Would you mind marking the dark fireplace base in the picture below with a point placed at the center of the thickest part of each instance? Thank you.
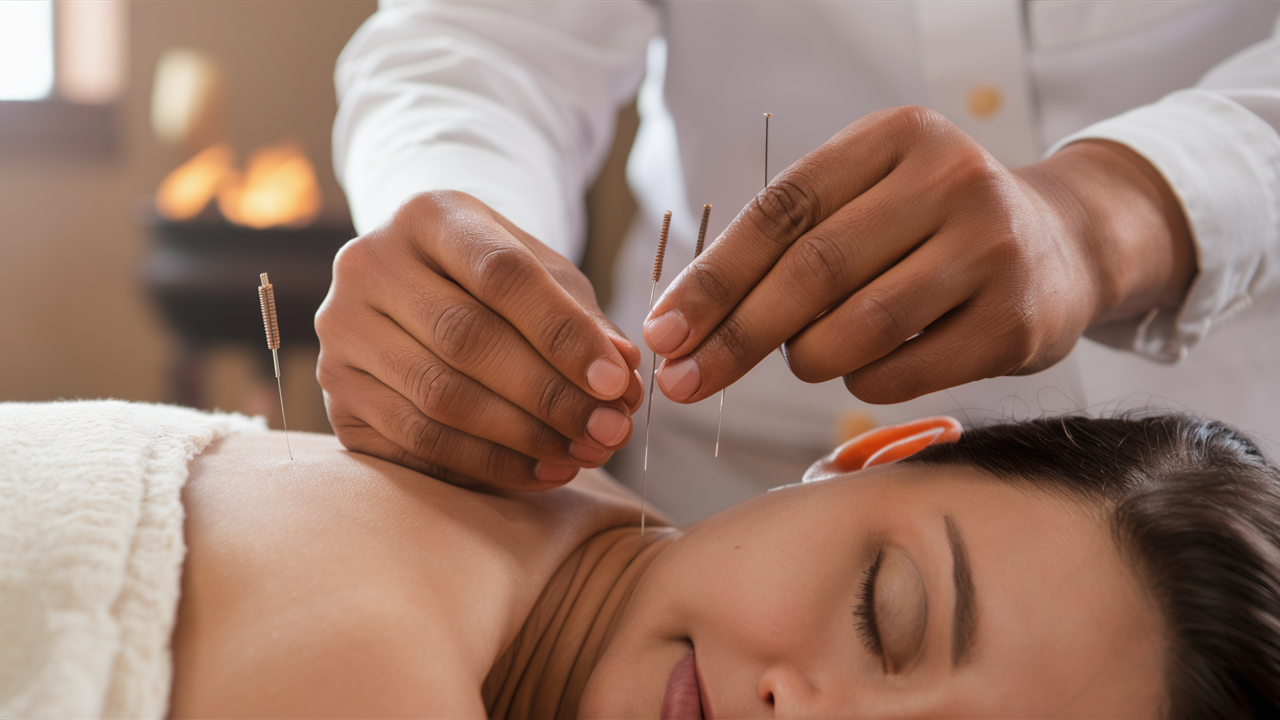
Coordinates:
(203, 277)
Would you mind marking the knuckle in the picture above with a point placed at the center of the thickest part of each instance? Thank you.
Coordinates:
(425, 206)
(347, 434)
(911, 122)
(546, 440)
(922, 119)
(560, 338)
(884, 319)
(463, 333)
(734, 340)
(359, 437)
(999, 255)
(332, 322)
(787, 207)
(437, 387)
(557, 399)
(327, 372)
(423, 434)
(501, 269)
(975, 175)
(825, 264)
(347, 426)
(1016, 332)
(495, 461)
(325, 323)
(711, 284)
(351, 258)
(975, 170)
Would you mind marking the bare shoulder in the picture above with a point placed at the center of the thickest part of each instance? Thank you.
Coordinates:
(358, 578)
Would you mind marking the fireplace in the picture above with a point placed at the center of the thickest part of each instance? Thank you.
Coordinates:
(202, 269)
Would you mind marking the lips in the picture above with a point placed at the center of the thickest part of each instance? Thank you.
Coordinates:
(682, 700)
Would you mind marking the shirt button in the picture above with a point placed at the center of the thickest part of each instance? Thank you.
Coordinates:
(985, 100)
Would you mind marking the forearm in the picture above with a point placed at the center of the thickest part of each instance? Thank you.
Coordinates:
(1217, 148)
(1129, 222)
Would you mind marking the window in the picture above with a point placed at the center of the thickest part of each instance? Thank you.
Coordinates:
(26, 49)
(62, 65)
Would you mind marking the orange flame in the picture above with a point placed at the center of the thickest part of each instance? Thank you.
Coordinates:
(188, 189)
(278, 188)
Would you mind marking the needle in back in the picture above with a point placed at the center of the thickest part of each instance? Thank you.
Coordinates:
(267, 297)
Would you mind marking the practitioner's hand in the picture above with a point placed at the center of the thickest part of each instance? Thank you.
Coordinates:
(904, 257)
(454, 343)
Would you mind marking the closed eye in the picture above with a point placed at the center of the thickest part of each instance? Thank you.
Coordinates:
(865, 609)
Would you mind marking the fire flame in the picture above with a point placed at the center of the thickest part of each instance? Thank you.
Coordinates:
(278, 188)
(189, 188)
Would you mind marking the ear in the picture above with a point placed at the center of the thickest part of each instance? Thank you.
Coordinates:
(886, 444)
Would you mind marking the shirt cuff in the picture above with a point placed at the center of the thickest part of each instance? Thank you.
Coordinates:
(1223, 164)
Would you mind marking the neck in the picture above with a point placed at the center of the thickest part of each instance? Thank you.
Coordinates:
(546, 667)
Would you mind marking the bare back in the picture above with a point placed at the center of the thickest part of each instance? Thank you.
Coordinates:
(339, 584)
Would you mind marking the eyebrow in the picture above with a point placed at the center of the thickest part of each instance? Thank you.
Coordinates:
(963, 625)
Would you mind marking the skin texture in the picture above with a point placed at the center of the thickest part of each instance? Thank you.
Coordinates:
(342, 585)
(902, 225)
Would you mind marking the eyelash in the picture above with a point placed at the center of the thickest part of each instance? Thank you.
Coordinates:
(865, 610)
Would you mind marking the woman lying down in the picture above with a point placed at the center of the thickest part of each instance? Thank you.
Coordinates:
(1065, 567)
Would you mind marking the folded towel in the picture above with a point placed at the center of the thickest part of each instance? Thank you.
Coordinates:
(91, 552)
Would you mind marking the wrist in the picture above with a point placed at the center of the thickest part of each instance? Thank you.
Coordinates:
(1127, 221)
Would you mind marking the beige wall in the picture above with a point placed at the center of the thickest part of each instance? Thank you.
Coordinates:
(74, 321)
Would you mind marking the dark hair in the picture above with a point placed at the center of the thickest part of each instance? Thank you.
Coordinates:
(1195, 505)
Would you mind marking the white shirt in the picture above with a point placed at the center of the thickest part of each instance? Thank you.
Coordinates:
(515, 103)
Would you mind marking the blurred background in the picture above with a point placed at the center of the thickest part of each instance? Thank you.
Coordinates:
(154, 158)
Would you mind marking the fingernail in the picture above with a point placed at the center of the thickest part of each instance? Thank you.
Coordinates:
(586, 453)
(549, 473)
(606, 378)
(633, 407)
(607, 426)
(680, 379)
(668, 330)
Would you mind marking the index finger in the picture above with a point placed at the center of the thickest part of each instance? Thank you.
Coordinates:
(496, 268)
(797, 200)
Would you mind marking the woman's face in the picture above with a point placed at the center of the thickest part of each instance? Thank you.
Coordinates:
(905, 590)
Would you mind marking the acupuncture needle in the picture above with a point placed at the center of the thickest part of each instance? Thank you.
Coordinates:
(657, 275)
(702, 238)
(267, 297)
(706, 210)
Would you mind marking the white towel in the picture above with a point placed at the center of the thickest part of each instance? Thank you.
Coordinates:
(91, 552)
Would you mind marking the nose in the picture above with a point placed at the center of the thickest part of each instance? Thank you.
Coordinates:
(787, 693)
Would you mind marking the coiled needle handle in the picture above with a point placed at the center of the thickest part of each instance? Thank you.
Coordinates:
(657, 275)
(267, 298)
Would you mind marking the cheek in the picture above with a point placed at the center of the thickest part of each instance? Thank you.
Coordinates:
(766, 593)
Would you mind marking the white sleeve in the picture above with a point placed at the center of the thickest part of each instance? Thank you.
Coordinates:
(513, 102)
(1218, 147)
